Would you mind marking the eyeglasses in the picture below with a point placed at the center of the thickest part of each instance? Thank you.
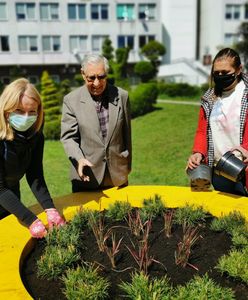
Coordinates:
(93, 77)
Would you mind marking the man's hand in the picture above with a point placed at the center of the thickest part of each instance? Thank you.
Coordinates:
(81, 164)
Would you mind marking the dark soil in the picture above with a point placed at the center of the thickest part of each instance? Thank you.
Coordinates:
(204, 256)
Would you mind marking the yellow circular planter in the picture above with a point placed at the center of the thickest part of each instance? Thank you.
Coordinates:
(16, 242)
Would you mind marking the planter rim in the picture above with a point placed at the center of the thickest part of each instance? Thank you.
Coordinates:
(16, 242)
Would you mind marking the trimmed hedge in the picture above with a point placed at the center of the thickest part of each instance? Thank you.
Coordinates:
(178, 89)
(143, 98)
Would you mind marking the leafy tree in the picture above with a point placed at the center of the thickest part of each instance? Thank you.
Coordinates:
(145, 70)
(51, 104)
(242, 46)
(152, 51)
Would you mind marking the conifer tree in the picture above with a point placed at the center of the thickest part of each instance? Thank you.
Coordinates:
(52, 109)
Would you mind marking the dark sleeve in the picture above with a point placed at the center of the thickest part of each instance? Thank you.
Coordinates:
(35, 176)
(10, 202)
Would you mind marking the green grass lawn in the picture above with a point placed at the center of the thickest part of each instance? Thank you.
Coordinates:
(162, 142)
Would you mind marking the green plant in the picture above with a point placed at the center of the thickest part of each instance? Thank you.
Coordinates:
(142, 288)
(168, 221)
(113, 250)
(145, 70)
(229, 222)
(182, 254)
(152, 207)
(143, 98)
(99, 230)
(189, 214)
(51, 103)
(141, 255)
(135, 223)
(56, 260)
(240, 236)
(63, 236)
(235, 264)
(202, 288)
(118, 210)
(84, 283)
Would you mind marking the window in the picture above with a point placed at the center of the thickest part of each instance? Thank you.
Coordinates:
(147, 11)
(144, 39)
(97, 41)
(233, 12)
(27, 43)
(49, 11)
(246, 11)
(5, 80)
(4, 43)
(125, 12)
(99, 11)
(51, 43)
(231, 39)
(3, 12)
(33, 79)
(76, 11)
(78, 42)
(126, 41)
(25, 11)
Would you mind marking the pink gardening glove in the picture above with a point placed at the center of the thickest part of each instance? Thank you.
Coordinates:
(54, 218)
(37, 229)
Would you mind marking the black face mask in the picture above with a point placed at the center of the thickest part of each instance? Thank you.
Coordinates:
(224, 81)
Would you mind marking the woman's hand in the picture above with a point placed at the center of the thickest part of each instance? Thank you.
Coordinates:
(37, 229)
(81, 164)
(194, 160)
(243, 151)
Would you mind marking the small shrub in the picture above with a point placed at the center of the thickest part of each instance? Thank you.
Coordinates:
(235, 264)
(144, 289)
(240, 236)
(178, 89)
(145, 70)
(228, 223)
(202, 288)
(143, 99)
(84, 283)
(62, 236)
(118, 210)
(152, 207)
(189, 214)
(56, 260)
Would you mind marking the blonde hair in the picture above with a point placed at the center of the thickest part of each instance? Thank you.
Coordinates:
(9, 101)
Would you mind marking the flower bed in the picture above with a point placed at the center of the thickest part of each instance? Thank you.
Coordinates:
(16, 243)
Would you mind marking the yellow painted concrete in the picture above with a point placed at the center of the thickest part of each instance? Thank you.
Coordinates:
(16, 243)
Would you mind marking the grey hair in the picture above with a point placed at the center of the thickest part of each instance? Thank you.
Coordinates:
(94, 59)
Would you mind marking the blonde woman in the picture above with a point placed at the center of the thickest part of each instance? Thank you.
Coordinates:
(21, 153)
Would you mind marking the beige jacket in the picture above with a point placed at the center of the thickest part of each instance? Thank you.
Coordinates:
(81, 135)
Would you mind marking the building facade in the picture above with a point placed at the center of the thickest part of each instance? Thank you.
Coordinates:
(195, 31)
(54, 35)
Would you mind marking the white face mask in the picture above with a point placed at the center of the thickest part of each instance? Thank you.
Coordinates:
(21, 122)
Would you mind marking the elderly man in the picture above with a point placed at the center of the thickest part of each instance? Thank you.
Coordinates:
(96, 129)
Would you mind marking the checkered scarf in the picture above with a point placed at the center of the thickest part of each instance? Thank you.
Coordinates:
(207, 103)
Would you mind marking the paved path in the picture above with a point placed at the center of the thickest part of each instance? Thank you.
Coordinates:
(185, 102)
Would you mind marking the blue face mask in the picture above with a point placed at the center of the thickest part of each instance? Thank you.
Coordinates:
(21, 122)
